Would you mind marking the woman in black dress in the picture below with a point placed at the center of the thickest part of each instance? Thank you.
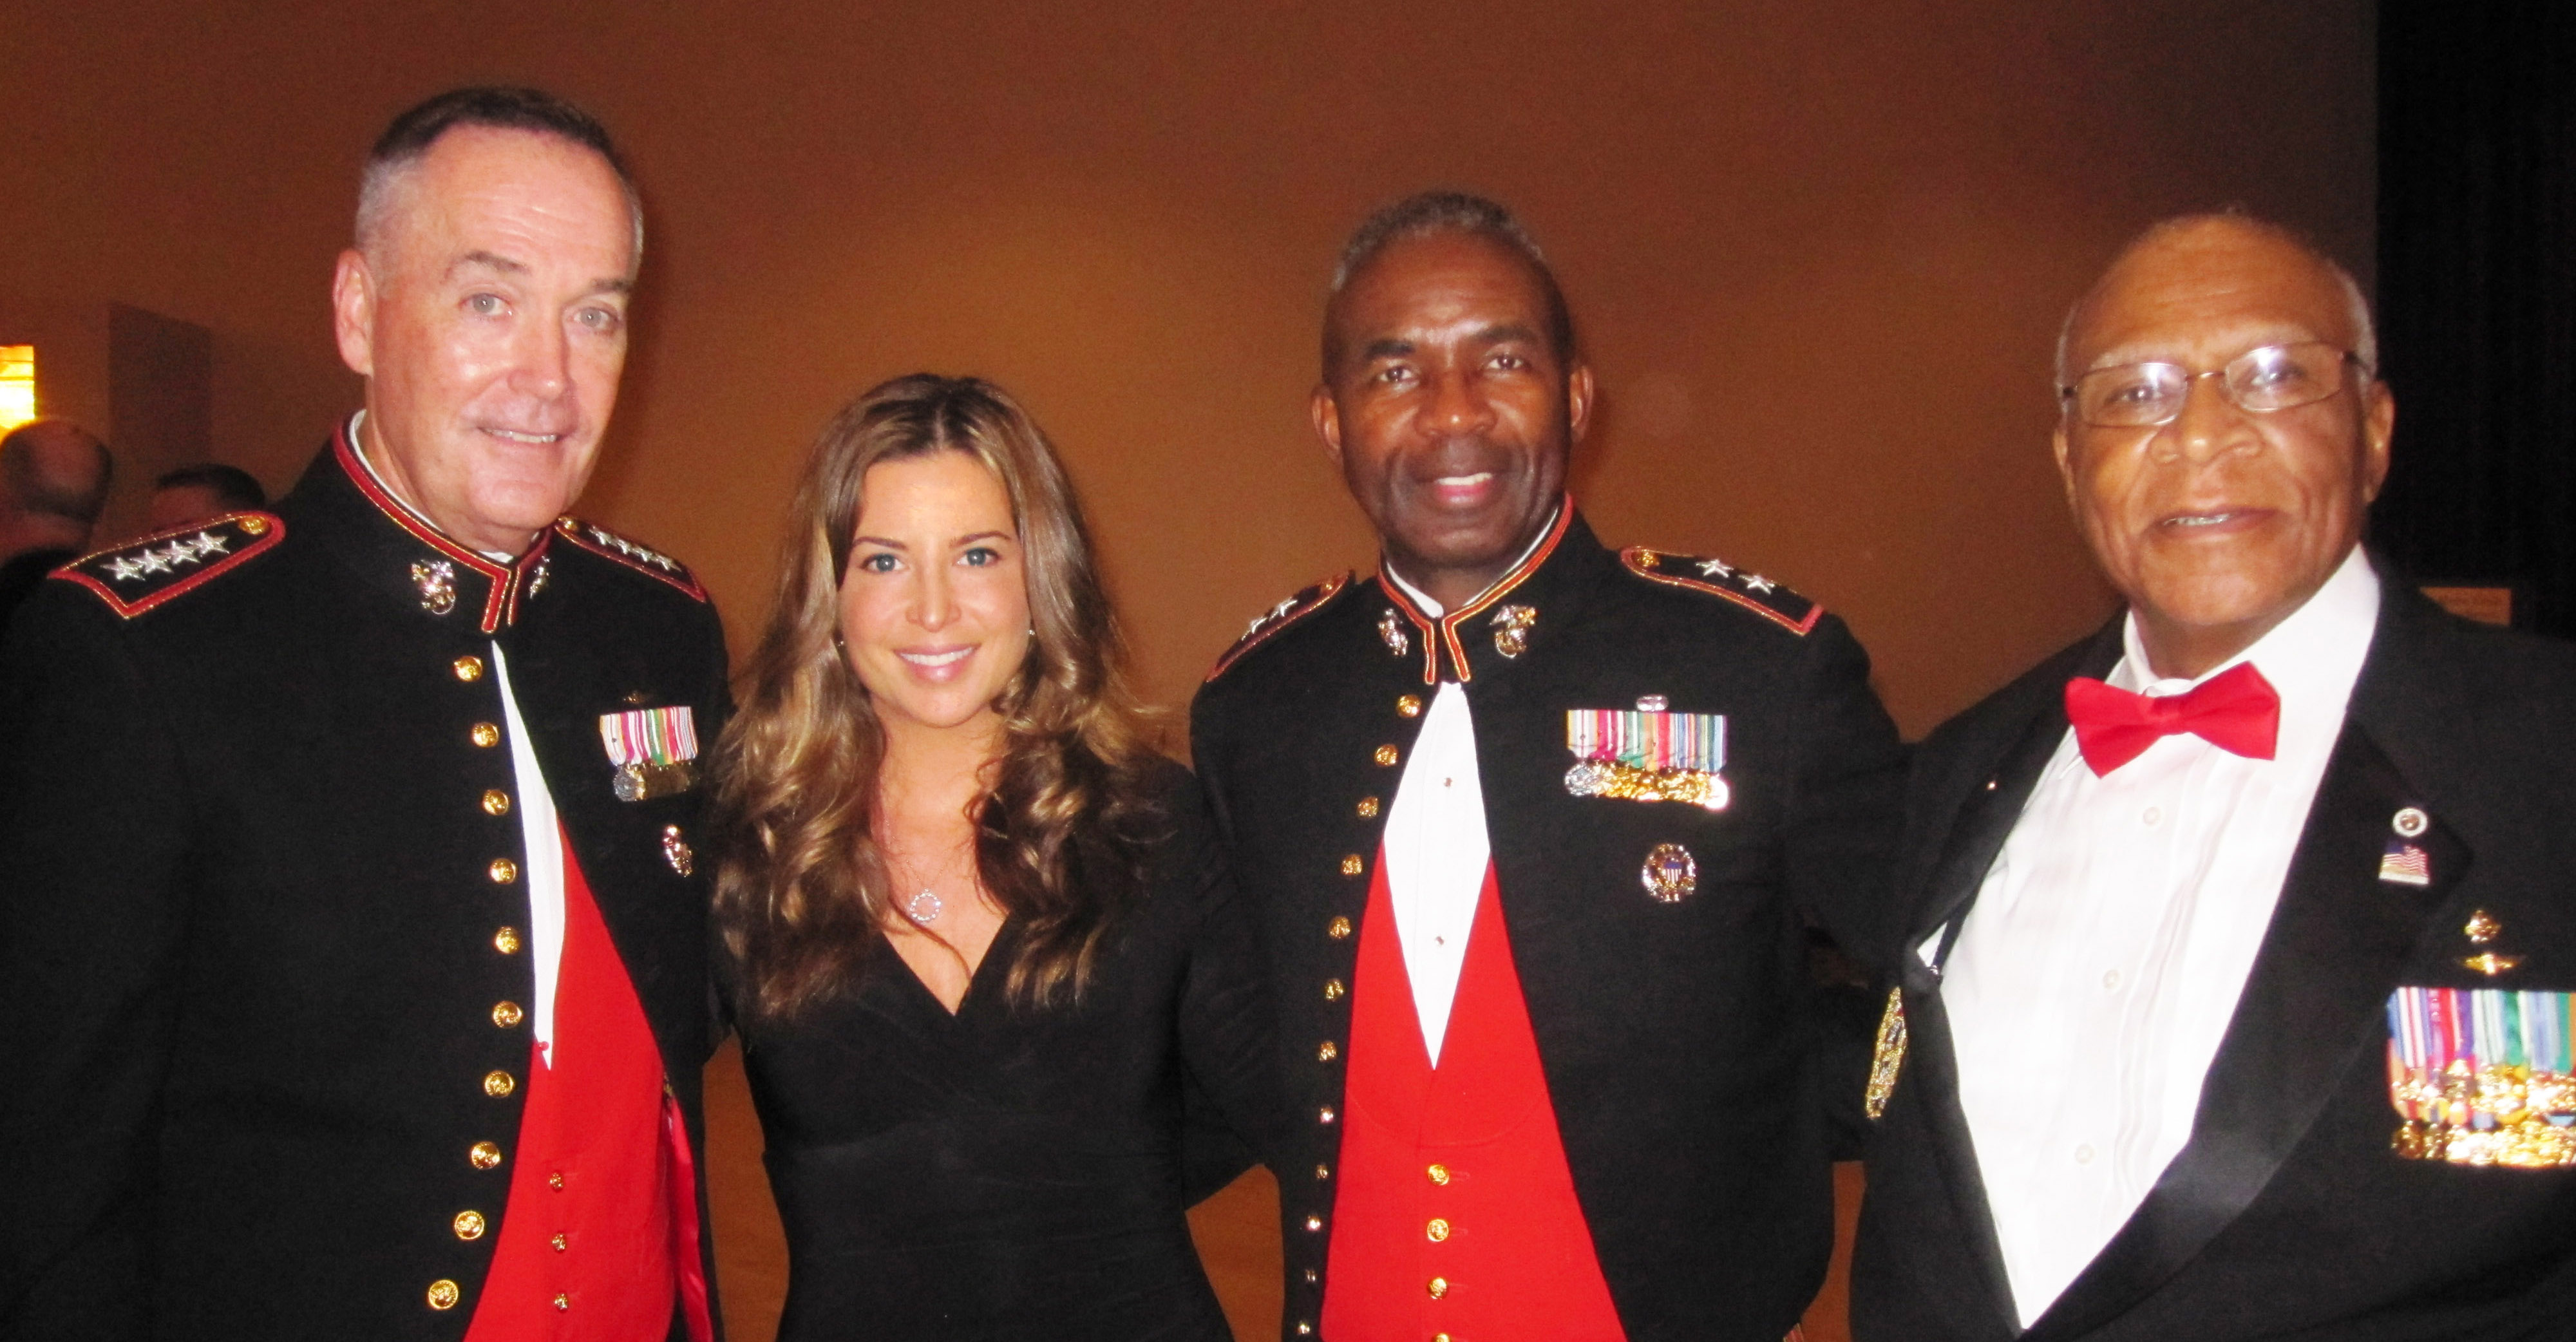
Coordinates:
(979, 940)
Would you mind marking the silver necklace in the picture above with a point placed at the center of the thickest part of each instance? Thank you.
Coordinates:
(924, 907)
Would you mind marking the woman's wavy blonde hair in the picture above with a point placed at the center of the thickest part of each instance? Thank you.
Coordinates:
(802, 890)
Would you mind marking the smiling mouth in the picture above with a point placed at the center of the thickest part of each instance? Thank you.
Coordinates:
(2200, 521)
(532, 439)
(938, 659)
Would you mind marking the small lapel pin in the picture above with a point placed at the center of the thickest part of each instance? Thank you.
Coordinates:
(2406, 864)
(1390, 627)
(1512, 625)
(436, 580)
(1670, 873)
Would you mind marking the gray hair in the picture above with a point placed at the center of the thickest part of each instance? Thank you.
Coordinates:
(1428, 212)
(2357, 306)
(411, 135)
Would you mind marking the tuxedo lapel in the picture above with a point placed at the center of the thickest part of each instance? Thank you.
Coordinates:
(2313, 1007)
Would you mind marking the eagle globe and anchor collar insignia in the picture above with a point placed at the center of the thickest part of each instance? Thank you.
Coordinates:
(135, 577)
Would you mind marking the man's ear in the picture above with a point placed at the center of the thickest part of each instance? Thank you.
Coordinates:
(1578, 402)
(2065, 460)
(353, 312)
(2378, 429)
(1328, 422)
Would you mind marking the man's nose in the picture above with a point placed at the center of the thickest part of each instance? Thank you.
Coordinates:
(1458, 405)
(2209, 426)
(541, 360)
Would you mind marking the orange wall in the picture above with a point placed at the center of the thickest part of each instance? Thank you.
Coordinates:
(1818, 250)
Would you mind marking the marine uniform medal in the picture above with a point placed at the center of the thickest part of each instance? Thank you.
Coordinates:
(651, 749)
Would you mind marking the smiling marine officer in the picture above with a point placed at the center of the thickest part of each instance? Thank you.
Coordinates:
(1531, 825)
(352, 951)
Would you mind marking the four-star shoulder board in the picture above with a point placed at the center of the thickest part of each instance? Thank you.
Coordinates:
(140, 574)
(1716, 577)
(650, 562)
(1306, 602)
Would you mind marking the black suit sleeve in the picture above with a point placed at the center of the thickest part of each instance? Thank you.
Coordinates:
(1846, 806)
(1232, 1111)
(94, 809)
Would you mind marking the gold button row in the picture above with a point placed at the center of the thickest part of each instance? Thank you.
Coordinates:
(1388, 755)
(1352, 865)
(1409, 705)
(1314, 1222)
(1327, 1051)
(443, 1294)
(506, 941)
(495, 802)
(507, 1014)
(1338, 929)
(485, 735)
(1333, 990)
(1436, 1230)
(469, 668)
(1438, 1174)
(498, 1085)
(484, 1155)
(469, 1225)
(1368, 808)
(503, 871)
(1438, 1286)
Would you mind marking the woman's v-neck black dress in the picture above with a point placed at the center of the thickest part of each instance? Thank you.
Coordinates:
(1010, 1173)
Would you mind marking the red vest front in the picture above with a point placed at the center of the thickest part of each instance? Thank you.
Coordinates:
(600, 1236)
(1454, 1214)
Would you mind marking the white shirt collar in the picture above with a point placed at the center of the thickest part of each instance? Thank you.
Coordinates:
(2312, 658)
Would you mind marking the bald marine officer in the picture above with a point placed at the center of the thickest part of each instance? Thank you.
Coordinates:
(352, 976)
(1533, 826)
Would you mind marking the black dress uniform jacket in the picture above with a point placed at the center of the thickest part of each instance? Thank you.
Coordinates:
(1673, 1035)
(262, 911)
(2287, 1215)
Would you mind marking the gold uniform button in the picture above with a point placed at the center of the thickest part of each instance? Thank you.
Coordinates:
(469, 668)
(1305, 1329)
(1409, 705)
(506, 941)
(1388, 755)
(1438, 1286)
(1327, 1051)
(484, 1155)
(254, 526)
(1437, 1231)
(1323, 1172)
(1368, 808)
(507, 1014)
(1333, 990)
(469, 1225)
(503, 871)
(1439, 1174)
(485, 735)
(1439, 1337)
(1312, 1276)
(563, 1301)
(498, 1085)
(1352, 865)
(1324, 1115)
(560, 1243)
(555, 1181)
(1338, 929)
(1314, 1223)
(443, 1294)
(495, 802)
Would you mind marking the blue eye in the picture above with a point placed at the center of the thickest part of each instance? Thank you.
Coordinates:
(982, 556)
(880, 562)
(484, 305)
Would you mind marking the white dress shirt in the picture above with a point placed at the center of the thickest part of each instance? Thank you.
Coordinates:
(543, 841)
(2096, 973)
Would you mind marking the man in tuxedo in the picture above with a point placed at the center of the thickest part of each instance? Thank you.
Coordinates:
(1531, 825)
(2235, 937)
(353, 950)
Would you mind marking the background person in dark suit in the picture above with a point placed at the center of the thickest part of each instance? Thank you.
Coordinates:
(2236, 937)
(53, 483)
(1530, 825)
(195, 493)
(353, 968)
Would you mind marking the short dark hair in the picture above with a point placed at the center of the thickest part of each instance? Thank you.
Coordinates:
(498, 106)
(1445, 211)
(25, 482)
(236, 489)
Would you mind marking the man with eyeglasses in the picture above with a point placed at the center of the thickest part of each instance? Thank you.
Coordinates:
(2235, 946)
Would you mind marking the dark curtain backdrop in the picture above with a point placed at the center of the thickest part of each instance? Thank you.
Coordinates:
(2477, 296)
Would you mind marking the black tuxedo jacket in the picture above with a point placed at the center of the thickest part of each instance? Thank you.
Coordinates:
(2287, 1215)
(1674, 1036)
(252, 956)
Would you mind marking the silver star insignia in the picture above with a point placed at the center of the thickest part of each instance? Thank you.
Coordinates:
(1755, 582)
(1716, 568)
(123, 569)
(152, 561)
(208, 543)
(180, 552)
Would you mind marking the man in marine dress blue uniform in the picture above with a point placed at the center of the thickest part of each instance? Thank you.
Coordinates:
(353, 942)
(1534, 827)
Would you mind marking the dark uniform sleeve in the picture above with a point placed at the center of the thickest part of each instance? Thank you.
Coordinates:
(1232, 1110)
(1845, 813)
(94, 817)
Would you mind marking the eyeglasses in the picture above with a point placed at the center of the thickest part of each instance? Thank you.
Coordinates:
(2275, 377)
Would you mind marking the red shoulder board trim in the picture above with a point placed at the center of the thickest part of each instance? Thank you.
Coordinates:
(1279, 617)
(608, 545)
(140, 574)
(1716, 577)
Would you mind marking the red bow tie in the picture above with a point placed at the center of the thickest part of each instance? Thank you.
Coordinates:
(2238, 712)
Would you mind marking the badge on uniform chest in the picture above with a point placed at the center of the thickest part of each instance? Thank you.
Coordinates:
(1647, 754)
(652, 750)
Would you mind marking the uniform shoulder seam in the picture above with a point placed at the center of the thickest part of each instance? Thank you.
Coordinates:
(636, 555)
(1305, 602)
(143, 573)
(1716, 577)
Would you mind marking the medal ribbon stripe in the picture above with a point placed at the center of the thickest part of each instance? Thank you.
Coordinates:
(2483, 1076)
(1694, 741)
(650, 736)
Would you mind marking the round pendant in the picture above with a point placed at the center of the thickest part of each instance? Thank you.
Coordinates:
(924, 907)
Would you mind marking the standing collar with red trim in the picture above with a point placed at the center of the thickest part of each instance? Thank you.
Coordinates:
(398, 550)
(1512, 606)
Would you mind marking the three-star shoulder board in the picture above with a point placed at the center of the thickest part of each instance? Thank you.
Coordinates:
(140, 574)
(1306, 602)
(644, 559)
(1716, 577)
